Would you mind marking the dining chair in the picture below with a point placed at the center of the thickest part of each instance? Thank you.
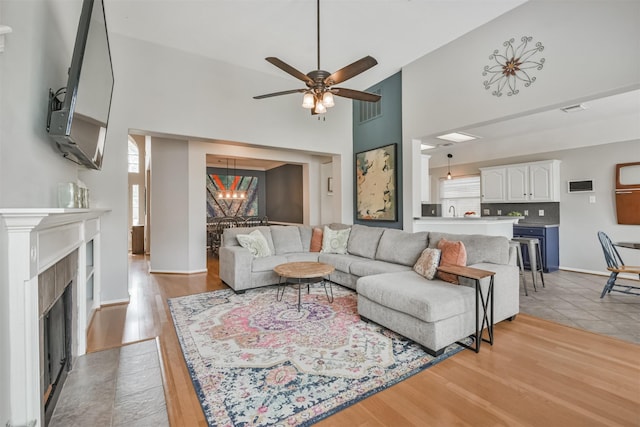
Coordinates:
(615, 265)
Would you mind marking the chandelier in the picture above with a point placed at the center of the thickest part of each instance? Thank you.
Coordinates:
(228, 193)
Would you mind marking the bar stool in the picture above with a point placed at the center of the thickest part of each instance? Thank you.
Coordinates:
(518, 249)
(535, 261)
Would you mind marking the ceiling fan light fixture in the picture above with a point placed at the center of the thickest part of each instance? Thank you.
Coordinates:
(308, 100)
(327, 99)
(320, 108)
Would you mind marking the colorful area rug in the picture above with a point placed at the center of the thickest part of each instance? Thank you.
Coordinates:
(255, 361)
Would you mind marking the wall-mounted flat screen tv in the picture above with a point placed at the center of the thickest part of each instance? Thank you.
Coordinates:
(79, 113)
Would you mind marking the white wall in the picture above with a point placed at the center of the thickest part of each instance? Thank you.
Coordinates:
(4, 330)
(161, 91)
(178, 197)
(581, 40)
(170, 206)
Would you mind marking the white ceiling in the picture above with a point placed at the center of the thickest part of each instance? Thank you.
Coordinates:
(395, 32)
(244, 32)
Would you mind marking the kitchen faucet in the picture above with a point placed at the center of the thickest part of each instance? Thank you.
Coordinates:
(454, 210)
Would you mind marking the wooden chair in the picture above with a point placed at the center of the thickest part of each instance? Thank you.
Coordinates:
(615, 265)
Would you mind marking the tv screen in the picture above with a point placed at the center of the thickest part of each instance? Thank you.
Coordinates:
(78, 121)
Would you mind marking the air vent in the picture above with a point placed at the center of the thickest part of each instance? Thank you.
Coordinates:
(370, 110)
(574, 108)
(584, 186)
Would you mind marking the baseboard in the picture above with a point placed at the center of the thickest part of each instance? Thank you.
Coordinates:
(113, 302)
(599, 273)
(178, 271)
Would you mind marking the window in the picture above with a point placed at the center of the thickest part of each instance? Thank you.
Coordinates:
(135, 204)
(460, 195)
(134, 157)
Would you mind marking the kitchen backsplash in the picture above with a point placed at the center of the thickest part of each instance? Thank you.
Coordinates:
(531, 211)
(551, 211)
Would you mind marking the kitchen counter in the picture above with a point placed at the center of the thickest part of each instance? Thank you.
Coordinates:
(488, 225)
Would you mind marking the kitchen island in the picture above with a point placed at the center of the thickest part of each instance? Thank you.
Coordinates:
(488, 225)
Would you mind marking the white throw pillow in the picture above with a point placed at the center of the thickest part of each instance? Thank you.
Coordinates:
(335, 241)
(427, 264)
(255, 242)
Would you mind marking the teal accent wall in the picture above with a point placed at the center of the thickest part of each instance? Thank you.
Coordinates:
(382, 130)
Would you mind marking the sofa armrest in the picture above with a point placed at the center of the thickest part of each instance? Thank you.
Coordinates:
(235, 266)
(506, 288)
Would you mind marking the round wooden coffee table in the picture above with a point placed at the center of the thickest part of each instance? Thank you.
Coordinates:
(300, 273)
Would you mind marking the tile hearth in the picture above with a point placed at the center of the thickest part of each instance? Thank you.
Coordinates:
(116, 387)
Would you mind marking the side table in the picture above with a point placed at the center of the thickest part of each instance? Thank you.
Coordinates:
(476, 275)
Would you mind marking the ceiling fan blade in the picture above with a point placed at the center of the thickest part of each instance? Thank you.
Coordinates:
(284, 92)
(350, 70)
(289, 69)
(355, 94)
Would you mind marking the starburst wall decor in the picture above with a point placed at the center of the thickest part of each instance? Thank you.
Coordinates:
(510, 68)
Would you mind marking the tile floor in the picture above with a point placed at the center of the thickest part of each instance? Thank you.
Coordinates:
(116, 387)
(573, 299)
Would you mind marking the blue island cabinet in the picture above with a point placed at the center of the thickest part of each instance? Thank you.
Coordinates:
(549, 244)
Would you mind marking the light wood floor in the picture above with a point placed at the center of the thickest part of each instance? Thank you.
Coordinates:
(538, 373)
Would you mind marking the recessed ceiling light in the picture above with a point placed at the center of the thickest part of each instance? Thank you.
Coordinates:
(574, 108)
(426, 146)
(457, 137)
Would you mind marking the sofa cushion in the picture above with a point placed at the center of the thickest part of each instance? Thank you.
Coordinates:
(427, 264)
(255, 242)
(340, 262)
(267, 263)
(302, 257)
(286, 239)
(410, 293)
(305, 237)
(229, 235)
(369, 267)
(401, 247)
(453, 253)
(363, 240)
(316, 240)
(480, 248)
(335, 241)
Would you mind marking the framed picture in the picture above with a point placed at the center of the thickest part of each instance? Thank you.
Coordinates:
(376, 195)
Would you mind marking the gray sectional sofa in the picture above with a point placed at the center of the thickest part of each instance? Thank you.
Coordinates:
(379, 266)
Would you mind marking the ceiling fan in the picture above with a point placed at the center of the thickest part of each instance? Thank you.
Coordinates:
(318, 96)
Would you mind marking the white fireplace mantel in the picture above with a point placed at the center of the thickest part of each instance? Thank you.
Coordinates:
(37, 238)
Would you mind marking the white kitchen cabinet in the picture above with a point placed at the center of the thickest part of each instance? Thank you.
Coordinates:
(493, 182)
(518, 183)
(544, 181)
(522, 183)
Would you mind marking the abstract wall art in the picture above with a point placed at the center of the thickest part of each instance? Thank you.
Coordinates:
(376, 196)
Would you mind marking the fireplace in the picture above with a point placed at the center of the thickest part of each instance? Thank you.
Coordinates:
(56, 292)
(52, 282)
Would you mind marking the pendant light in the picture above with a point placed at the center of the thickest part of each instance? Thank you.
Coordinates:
(228, 194)
(449, 156)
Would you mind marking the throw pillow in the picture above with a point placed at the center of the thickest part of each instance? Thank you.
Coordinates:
(255, 242)
(453, 253)
(427, 264)
(316, 240)
(335, 241)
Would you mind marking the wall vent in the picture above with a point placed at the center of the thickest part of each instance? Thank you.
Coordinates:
(574, 108)
(370, 110)
(584, 186)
